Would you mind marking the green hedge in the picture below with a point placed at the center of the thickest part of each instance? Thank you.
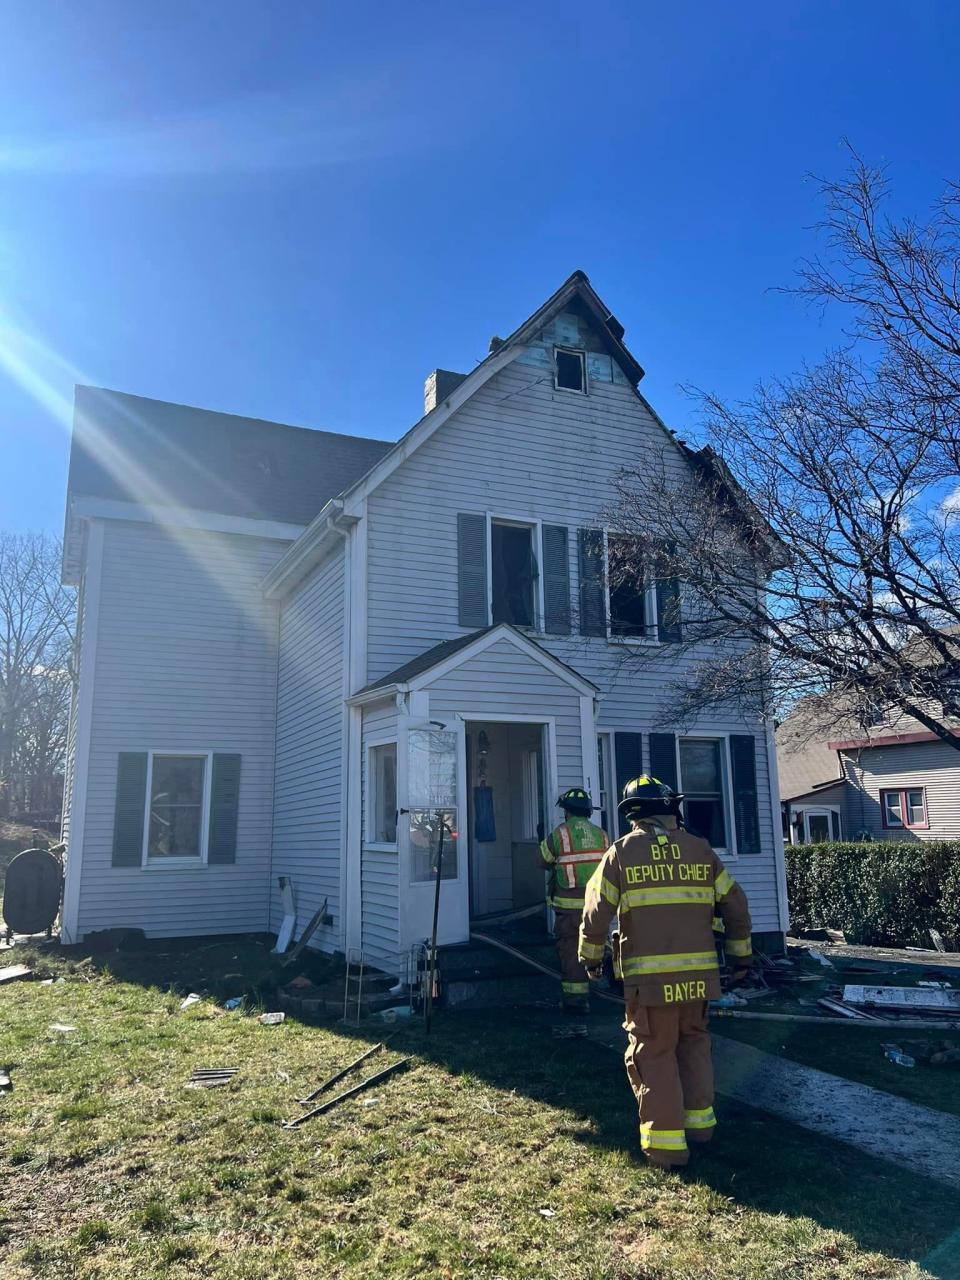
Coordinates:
(878, 894)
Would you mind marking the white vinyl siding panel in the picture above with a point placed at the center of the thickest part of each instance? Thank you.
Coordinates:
(70, 759)
(518, 447)
(934, 766)
(307, 830)
(186, 660)
(380, 886)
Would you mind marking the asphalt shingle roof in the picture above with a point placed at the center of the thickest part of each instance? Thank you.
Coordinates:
(133, 449)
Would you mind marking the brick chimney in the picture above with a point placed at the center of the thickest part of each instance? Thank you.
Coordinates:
(438, 386)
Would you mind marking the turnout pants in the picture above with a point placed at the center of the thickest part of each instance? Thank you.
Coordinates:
(670, 1070)
(566, 932)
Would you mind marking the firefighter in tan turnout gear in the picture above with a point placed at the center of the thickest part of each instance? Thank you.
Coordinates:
(572, 852)
(665, 885)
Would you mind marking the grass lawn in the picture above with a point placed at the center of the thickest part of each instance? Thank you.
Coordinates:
(109, 1167)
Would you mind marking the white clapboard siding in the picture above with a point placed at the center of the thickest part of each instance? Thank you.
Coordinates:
(307, 832)
(186, 660)
(935, 766)
(380, 903)
(521, 448)
(70, 755)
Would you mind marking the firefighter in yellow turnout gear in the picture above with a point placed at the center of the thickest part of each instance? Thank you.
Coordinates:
(572, 852)
(665, 884)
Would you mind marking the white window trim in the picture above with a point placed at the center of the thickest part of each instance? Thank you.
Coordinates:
(819, 810)
(536, 526)
(650, 605)
(609, 747)
(572, 351)
(530, 810)
(369, 815)
(157, 864)
(730, 853)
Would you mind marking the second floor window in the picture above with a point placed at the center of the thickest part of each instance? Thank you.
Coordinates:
(514, 573)
(906, 807)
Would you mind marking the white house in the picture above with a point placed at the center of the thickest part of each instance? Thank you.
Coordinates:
(295, 647)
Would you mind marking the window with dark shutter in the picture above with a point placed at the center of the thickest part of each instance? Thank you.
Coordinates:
(746, 805)
(593, 621)
(472, 570)
(667, 600)
(129, 808)
(556, 580)
(628, 748)
(224, 808)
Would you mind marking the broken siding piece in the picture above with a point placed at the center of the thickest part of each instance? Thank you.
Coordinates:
(909, 998)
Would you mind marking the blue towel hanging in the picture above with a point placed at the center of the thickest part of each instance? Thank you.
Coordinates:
(484, 823)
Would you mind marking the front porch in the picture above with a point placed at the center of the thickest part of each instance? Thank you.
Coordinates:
(473, 741)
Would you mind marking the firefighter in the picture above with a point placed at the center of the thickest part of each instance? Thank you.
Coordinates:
(572, 852)
(665, 885)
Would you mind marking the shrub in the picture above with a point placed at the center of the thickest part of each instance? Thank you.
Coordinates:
(877, 893)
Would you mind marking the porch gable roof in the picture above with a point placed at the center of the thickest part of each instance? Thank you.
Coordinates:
(435, 662)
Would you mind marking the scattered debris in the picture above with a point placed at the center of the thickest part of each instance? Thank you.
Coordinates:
(300, 982)
(6, 1084)
(338, 1075)
(271, 1019)
(14, 972)
(938, 986)
(949, 1056)
(320, 916)
(211, 1077)
(547, 1213)
(820, 959)
(46, 982)
(844, 1010)
(728, 1001)
(938, 941)
(348, 1093)
(893, 1053)
(393, 1013)
(910, 999)
(570, 1031)
(234, 1003)
(62, 1028)
(370, 1102)
(191, 999)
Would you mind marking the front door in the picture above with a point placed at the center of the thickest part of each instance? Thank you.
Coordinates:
(432, 787)
(816, 826)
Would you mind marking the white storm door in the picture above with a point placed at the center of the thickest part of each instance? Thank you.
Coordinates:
(432, 797)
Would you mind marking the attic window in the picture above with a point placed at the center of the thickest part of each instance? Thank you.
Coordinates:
(571, 370)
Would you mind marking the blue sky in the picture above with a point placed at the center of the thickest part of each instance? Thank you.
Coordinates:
(296, 211)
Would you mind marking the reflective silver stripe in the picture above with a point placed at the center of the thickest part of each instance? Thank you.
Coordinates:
(670, 896)
(691, 960)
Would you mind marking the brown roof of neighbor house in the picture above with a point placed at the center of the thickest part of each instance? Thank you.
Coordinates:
(804, 761)
(133, 449)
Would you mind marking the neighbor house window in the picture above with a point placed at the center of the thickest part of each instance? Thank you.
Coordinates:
(702, 773)
(905, 807)
(515, 573)
(383, 769)
(571, 369)
(176, 790)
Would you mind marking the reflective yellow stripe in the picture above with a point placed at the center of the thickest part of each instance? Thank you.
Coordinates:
(567, 904)
(636, 965)
(733, 947)
(723, 884)
(590, 950)
(575, 988)
(662, 1139)
(702, 1119)
(631, 898)
(546, 853)
(609, 891)
(718, 925)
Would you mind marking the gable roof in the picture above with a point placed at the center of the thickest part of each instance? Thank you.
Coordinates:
(450, 654)
(152, 452)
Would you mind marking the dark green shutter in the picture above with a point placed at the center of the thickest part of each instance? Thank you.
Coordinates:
(668, 603)
(130, 804)
(556, 580)
(663, 758)
(628, 748)
(746, 807)
(593, 609)
(472, 570)
(224, 803)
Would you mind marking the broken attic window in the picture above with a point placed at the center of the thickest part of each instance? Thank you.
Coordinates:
(571, 370)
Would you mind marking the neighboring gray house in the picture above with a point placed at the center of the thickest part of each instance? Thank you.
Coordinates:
(893, 781)
(295, 647)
